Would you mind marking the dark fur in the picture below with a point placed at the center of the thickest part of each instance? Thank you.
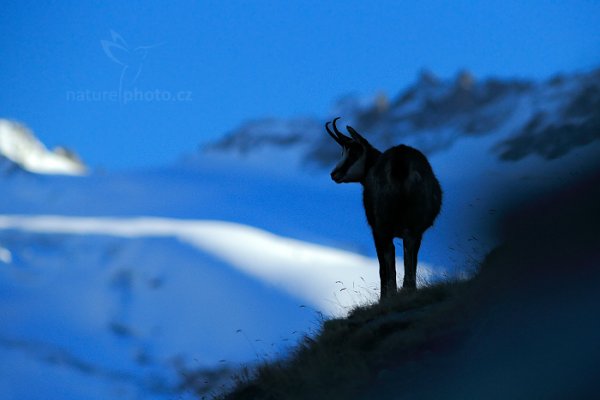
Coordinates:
(402, 197)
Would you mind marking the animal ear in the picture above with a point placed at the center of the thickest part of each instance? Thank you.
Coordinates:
(356, 136)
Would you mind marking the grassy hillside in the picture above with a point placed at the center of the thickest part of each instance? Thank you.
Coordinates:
(354, 353)
(526, 326)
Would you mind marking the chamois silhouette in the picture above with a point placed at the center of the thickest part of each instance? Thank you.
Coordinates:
(401, 196)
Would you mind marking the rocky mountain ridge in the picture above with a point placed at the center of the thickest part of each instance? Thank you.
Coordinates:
(546, 118)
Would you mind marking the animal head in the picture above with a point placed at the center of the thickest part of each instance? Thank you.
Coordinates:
(353, 166)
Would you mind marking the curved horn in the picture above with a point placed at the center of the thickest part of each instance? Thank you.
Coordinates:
(340, 134)
(332, 135)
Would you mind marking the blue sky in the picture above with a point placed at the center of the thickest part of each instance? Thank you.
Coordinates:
(172, 76)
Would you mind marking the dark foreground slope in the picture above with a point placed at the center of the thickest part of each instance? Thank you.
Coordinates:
(528, 326)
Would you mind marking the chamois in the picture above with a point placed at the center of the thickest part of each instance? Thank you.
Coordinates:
(401, 196)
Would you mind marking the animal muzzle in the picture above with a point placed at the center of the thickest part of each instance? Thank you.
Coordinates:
(337, 176)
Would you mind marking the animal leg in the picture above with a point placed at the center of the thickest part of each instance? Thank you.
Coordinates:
(386, 254)
(411, 246)
(415, 253)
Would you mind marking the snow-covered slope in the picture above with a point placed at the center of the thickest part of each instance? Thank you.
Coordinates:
(19, 146)
(310, 272)
(122, 304)
(110, 303)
